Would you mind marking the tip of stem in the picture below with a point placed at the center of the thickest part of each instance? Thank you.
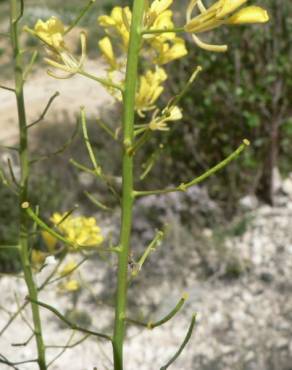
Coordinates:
(246, 142)
(25, 205)
(185, 296)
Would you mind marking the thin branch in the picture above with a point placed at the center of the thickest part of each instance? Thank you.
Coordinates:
(5, 361)
(174, 101)
(70, 345)
(23, 344)
(97, 202)
(63, 350)
(68, 273)
(44, 226)
(184, 343)
(80, 16)
(72, 325)
(184, 186)
(7, 88)
(102, 81)
(9, 247)
(169, 316)
(82, 167)
(42, 116)
(161, 31)
(61, 149)
(40, 288)
(12, 172)
(55, 269)
(30, 65)
(151, 248)
(107, 129)
(9, 147)
(97, 168)
(107, 179)
(148, 165)
(139, 143)
(4, 179)
(24, 319)
(20, 12)
(12, 318)
(68, 214)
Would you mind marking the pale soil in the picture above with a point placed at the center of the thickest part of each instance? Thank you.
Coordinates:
(74, 92)
(243, 324)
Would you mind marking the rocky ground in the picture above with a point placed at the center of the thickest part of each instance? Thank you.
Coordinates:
(240, 291)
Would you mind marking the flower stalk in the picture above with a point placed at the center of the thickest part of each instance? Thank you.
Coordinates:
(16, 10)
(127, 188)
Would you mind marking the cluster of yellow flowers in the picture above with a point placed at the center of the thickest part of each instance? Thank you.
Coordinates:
(220, 13)
(70, 284)
(81, 231)
(161, 44)
(160, 48)
(166, 45)
(52, 33)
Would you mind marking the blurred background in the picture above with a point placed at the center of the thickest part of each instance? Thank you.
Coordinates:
(228, 242)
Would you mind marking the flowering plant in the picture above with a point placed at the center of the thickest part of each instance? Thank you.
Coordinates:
(137, 45)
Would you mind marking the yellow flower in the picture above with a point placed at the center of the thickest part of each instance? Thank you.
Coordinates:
(169, 50)
(51, 32)
(37, 257)
(169, 114)
(161, 21)
(105, 46)
(118, 22)
(80, 231)
(250, 14)
(49, 240)
(228, 6)
(157, 8)
(219, 14)
(56, 218)
(68, 268)
(149, 89)
(71, 286)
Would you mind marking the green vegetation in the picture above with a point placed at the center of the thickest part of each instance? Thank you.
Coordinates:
(245, 92)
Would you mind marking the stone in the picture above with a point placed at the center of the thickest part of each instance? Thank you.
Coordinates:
(287, 186)
(249, 202)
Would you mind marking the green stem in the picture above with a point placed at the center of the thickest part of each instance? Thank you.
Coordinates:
(102, 81)
(197, 180)
(127, 189)
(151, 248)
(140, 142)
(42, 116)
(169, 316)
(161, 31)
(182, 346)
(80, 16)
(16, 10)
(6, 88)
(71, 324)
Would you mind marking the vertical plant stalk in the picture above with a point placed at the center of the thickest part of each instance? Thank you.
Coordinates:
(16, 9)
(127, 188)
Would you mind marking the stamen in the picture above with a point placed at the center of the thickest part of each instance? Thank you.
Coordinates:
(209, 47)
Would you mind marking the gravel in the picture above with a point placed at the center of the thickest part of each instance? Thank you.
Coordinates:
(243, 320)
